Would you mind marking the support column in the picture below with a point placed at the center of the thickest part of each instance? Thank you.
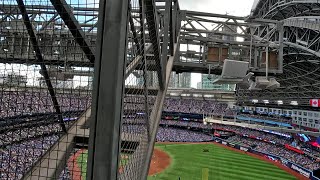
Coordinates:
(280, 55)
(107, 101)
(166, 37)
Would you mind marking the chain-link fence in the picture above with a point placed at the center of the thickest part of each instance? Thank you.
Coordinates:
(46, 65)
(48, 52)
(139, 97)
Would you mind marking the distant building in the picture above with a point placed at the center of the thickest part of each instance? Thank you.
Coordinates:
(137, 79)
(199, 85)
(182, 80)
(152, 79)
(207, 83)
(229, 29)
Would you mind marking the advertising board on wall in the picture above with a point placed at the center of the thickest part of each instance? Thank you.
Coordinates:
(243, 149)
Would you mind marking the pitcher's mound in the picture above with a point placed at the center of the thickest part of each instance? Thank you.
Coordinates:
(159, 162)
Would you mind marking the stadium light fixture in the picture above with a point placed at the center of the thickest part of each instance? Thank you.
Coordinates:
(197, 95)
(255, 100)
(280, 102)
(294, 103)
(174, 94)
(5, 50)
(185, 95)
(266, 101)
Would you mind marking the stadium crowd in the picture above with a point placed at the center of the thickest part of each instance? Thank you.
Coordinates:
(18, 135)
(17, 159)
(22, 147)
(197, 107)
(280, 151)
(167, 134)
(26, 103)
(37, 146)
(237, 129)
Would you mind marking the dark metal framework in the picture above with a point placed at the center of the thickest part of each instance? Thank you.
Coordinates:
(300, 78)
(44, 71)
(105, 128)
(244, 38)
(133, 46)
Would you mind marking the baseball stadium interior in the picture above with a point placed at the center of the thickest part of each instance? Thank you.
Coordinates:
(105, 90)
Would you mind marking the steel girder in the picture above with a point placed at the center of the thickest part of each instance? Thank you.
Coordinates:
(244, 38)
(140, 53)
(195, 30)
(280, 9)
(300, 78)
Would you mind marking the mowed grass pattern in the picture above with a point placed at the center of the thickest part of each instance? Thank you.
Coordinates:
(189, 162)
(82, 163)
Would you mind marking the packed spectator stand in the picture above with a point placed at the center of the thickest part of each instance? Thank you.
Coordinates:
(258, 140)
(32, 136)
(29, 127)
(168, 134)
(16, 159)
(196, 106)
(25, 103)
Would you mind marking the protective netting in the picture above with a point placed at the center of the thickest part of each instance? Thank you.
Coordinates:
(46, 62)
(46, 65)
(141, 87)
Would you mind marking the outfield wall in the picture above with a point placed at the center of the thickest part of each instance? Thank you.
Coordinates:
(297, 168)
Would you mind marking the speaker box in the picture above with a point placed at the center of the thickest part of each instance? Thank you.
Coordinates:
(261, 82)
(273, 84)
(245, 84)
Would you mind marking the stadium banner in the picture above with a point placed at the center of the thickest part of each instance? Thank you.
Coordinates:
(224, 143)
(218, 140)
(233, 145)
(244, 149)
(287, 146)
(300, 170)
(236, 146)
(314, 102)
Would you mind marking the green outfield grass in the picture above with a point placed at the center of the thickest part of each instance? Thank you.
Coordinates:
(189, 162)
(82, 163)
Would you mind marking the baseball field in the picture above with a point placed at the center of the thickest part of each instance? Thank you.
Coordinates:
(203, 162)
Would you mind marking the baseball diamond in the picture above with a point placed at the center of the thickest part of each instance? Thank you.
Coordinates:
(189, 161)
